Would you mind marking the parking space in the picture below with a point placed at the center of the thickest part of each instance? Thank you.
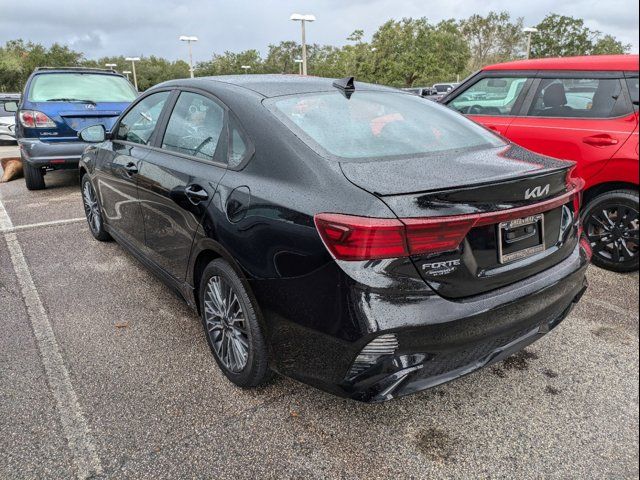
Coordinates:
(136, 393)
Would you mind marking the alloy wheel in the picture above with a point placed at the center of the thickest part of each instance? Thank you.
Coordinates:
(91, 208)
(613, 232)
(225, 323)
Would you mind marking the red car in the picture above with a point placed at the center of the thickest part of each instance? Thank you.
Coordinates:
(583, 109)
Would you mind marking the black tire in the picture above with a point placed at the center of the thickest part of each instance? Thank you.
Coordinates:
(255, 370)
(611, 223)
(93, 210)
(33, 176)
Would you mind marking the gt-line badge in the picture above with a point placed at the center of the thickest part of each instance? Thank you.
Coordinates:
(441, 268)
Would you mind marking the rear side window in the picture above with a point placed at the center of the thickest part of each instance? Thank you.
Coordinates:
(490, 96)
(68, 87)
(138, 124)
(3, 111)
(238, 145)
(373, 124)
(579, 97)
(194, 127)
(632, 84)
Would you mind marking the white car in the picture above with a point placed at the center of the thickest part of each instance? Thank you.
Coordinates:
(8, 118)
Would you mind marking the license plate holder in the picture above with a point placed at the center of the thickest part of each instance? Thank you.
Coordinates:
(520, 238)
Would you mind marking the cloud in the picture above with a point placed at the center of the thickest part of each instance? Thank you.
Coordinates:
(146, 27)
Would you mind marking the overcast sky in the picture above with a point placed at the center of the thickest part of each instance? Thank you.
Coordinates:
(146, 27)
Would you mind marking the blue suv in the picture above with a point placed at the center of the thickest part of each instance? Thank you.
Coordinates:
(56, 104)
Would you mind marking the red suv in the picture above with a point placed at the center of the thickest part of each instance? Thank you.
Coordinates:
(583, 109)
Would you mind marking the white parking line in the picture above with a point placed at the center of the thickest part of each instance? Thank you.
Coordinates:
(40, 224)
(74, 425)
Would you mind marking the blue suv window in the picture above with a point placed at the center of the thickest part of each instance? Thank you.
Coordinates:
(68, 87)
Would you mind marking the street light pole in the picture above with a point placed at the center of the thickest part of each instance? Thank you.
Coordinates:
(189, 39)
(299, 62)
(245, 68)
(297, 17)
(127, 73)
(133, 61)
(529, 31)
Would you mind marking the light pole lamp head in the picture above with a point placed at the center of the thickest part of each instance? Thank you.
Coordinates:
(298, 17)
(530, 30)
(188, 38)
(132, 59)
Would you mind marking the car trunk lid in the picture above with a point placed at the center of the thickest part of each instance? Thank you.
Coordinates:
(481, 220)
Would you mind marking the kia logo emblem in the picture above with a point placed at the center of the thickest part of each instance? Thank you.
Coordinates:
(536, 192)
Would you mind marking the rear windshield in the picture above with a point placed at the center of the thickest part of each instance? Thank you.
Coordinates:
(378, 125)
(94, 87)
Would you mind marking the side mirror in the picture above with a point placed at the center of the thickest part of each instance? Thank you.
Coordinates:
(93, 134)
(11, 106)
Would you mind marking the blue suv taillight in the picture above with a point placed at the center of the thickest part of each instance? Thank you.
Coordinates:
(35, 119)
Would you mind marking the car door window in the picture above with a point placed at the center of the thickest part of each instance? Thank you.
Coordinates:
(138, 124)
(579, 98)
(194, 127)
(490, 96)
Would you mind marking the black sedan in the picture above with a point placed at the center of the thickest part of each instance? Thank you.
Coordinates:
(354, 237)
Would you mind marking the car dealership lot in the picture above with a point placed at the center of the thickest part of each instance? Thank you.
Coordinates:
(126, 385)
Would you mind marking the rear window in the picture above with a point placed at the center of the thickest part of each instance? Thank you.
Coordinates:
(80, 86)
(378, 125)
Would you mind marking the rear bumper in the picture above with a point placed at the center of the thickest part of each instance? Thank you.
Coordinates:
(438, 339)
(51, 154)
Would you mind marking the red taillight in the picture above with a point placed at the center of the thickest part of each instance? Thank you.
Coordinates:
(350, 237)
(585, 244)
(359, 238)
(434, 235)
(27, 118)
(575, 184)
(35, 119)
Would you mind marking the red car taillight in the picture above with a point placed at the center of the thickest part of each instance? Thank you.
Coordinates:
(360, 238)
(584, 243)
(351, 237)
(35, 119)
(576, 184)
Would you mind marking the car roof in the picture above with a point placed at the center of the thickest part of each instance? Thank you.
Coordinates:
(274, 85)
(592, 62)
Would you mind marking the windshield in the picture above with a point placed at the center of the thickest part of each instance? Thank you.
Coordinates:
(93, 87)
(378, 124)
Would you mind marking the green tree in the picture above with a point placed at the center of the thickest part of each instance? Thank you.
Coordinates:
(412, 51)
(493, 39)
(19, 58)
(562, 36)
(608, 45)
(230, 63)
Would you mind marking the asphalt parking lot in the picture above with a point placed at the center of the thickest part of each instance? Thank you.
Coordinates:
(105, 373)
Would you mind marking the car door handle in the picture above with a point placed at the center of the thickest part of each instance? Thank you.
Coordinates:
(600, 140)
(131, 168)
(195, 193)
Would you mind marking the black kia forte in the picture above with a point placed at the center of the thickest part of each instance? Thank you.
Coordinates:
(357, 238)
